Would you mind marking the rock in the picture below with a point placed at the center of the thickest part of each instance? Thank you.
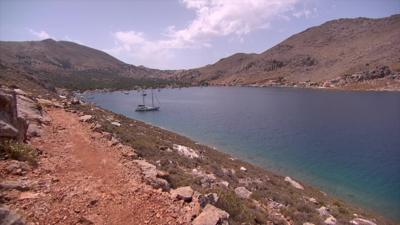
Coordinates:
(7, 130)
(31, 111)
(17, 167)
(7, 217)
(85, 118)
(361, 221)
(222, 183)
(129, 155)
(116, 124)
(242, 192)
(210, 198)
(185, 151)
(28, 195)
(243, 169)
(12, 125)
(48, 103)
(20, 186)
(294, 183)
(20, 92)
(75, 101)
(313, 200)
(85, 221)
(211, 215)
(107, 135)
(323, 211)
(248, 181)
(330, 220)
(183, 193)
(152, 175)
(113, 141)
(34, 130)
(307, 223)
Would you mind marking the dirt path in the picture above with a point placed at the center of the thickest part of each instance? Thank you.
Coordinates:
(81, 179)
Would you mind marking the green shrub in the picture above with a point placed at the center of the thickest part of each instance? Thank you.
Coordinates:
(18, 151)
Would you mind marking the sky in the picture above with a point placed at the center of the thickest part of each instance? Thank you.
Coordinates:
(176, 34)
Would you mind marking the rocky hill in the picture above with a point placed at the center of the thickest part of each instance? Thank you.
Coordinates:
(71, 65)
(356, 53)
(333, 51)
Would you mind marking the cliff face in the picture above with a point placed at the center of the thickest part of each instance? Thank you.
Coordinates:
(322, 53)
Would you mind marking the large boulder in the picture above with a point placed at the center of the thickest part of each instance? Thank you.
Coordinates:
(210, 198)
(242, 192)
(294, 183)
(12, 125)
(186, 151)
(183, 193)
(212, 215)
(361, 221)
(152, 175)
(8, 217)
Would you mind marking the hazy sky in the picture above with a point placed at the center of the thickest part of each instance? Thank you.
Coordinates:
(174, 34)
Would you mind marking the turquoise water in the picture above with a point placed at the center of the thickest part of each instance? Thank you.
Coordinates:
(345, 143)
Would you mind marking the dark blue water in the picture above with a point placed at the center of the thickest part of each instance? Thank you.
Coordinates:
(346, 143)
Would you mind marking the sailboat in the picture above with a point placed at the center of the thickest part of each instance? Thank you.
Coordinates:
(145, 108)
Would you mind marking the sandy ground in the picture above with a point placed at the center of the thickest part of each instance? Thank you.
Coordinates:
(81, 179)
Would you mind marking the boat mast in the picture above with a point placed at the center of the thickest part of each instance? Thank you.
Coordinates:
(152, 98)
(143, 95)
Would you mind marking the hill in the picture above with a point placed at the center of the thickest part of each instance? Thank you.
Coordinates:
(358, 53)
(74, 66)
(333, 51)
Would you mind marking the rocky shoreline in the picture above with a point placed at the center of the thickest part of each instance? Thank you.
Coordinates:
(209, 186)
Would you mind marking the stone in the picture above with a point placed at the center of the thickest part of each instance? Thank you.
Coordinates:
(185, 151)
(294, 183)
(242, 192)
(85, 118)
(242, 168)
(34, 130)
(313, 200)
(20, 92)
(7, 217)
(75, 101)
(152, 175)
(307, 223)
(211, 215)
(323, 211)
(31, 111)
(14, 185)
(116, 124)
(113, 141)
(48, 103)
(17, 167)
(183, 193)
(7, 130)
(85, 221)
(210, 198)
(361, 221)
(330, 220)
(28, 195)
(12, 125)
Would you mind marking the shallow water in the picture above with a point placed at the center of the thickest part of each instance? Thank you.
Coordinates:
(346, 143)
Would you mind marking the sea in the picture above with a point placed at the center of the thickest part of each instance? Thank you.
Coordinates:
(346, 143)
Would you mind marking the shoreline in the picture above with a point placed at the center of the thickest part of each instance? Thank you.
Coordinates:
(342, 193)
(322, 187)
(240, 160)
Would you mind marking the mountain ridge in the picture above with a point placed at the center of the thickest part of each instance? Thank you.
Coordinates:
(318, 54)
(359, 53)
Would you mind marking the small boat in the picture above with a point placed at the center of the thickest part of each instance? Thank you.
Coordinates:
(145, 108)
